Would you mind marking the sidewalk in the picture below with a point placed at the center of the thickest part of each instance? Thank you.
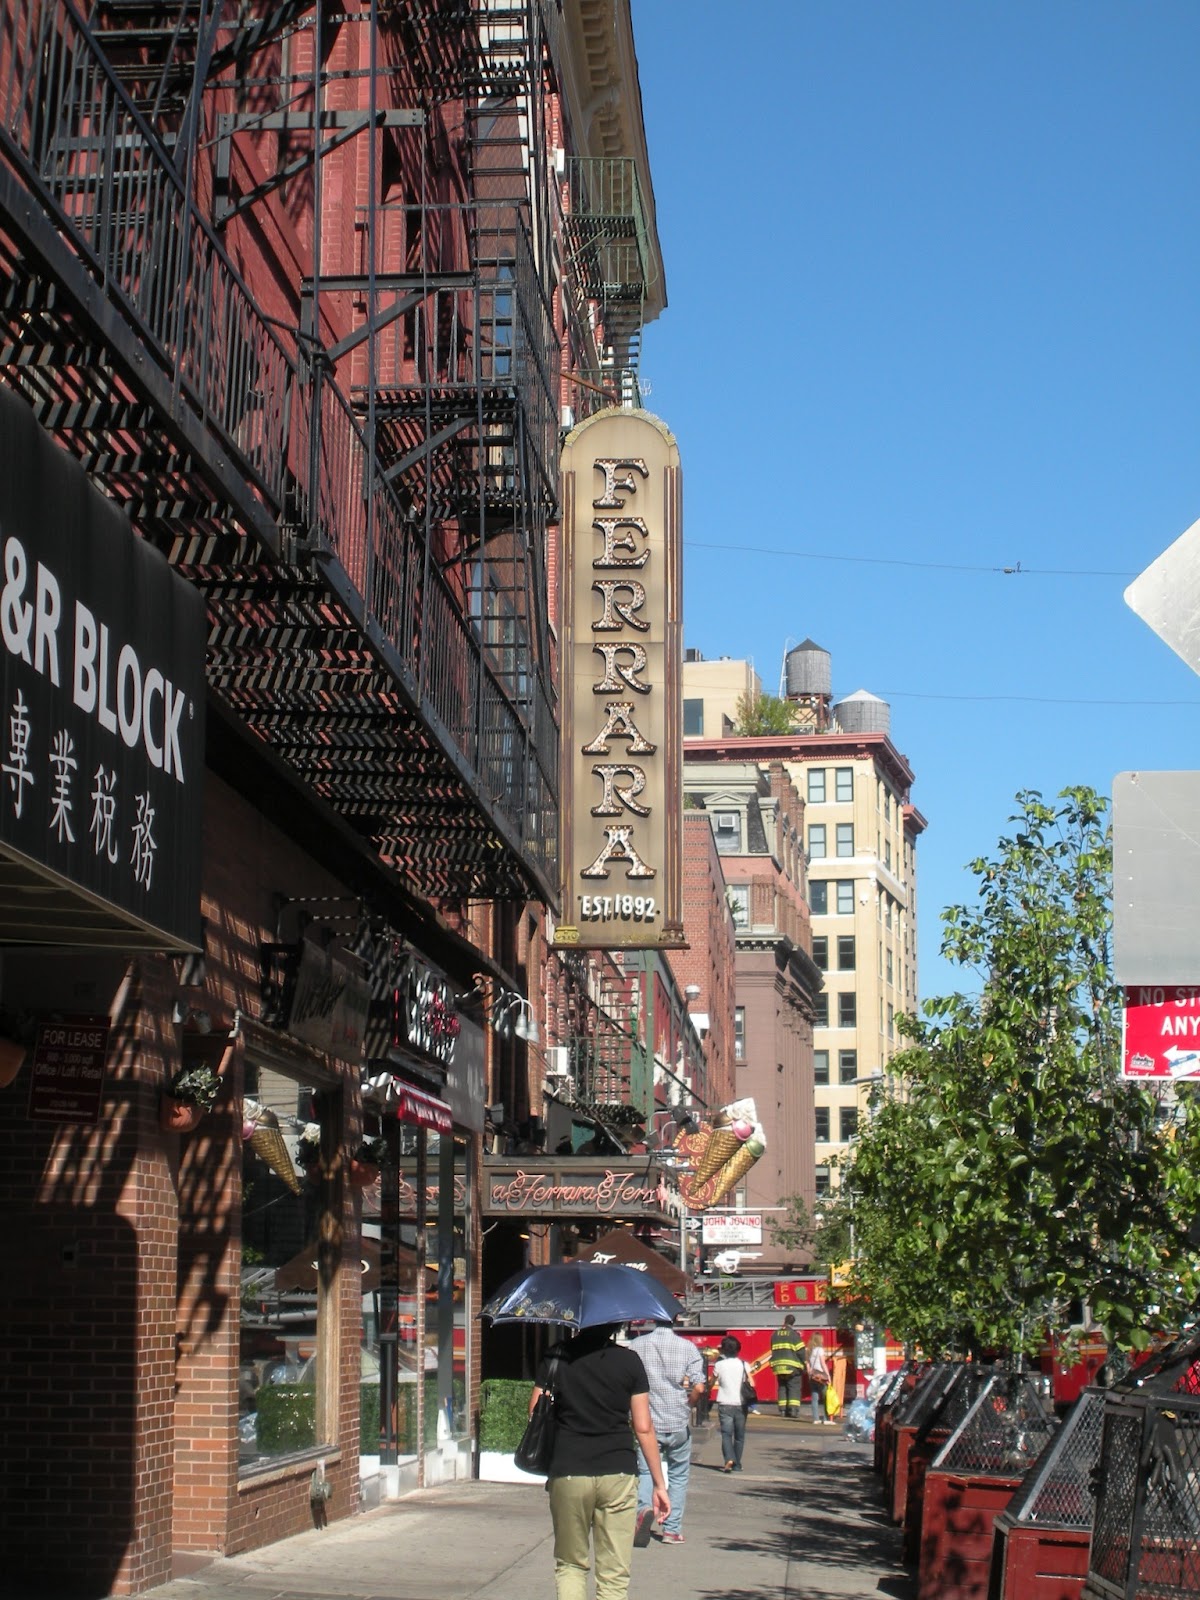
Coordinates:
(803, 1521)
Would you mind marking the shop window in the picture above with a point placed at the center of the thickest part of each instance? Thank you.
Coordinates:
(821, 1068)
(287, 1277)
(816, 786)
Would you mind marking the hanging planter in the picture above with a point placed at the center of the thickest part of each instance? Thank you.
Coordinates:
(178, 1116)
(12, 1059)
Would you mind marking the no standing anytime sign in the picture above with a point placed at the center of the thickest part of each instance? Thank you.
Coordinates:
(1161, 1033)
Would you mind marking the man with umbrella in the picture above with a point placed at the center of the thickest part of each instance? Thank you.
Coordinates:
(599, 1389)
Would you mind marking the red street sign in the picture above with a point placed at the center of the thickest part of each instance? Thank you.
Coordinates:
(1160, 1036)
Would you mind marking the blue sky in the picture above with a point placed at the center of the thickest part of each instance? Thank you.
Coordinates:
(934, 303)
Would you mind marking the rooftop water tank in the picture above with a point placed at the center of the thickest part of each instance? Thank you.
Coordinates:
(807, 670)
(861, 712)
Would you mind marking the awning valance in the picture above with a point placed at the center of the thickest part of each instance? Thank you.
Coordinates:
(398, 1099)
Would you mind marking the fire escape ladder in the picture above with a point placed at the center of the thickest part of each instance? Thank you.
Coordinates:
(608, 264)
(341, 633)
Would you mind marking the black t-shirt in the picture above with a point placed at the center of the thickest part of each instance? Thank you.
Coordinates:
(593, 1385)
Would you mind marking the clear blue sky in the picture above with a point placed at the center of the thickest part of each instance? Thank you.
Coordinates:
(933, 272)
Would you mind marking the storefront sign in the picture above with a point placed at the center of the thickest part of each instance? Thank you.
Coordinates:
(330, 1000)
(67, 1081)
(425, 1016)
(1161, 1032)
(101, 698)
(801, 1291)
(572, 1188)
(621, 609)
(732, 1227)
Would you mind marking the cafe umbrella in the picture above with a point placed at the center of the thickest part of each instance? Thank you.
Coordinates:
(580, 1295)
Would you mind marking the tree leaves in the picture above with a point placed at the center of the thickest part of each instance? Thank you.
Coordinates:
(1014, 1172)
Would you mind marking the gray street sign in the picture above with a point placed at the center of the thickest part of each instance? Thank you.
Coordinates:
(1167, 596)
(1156, 874)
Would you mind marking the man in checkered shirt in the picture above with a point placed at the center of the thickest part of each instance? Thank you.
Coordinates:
(677, 1377)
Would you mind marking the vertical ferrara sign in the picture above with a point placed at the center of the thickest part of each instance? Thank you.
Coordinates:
(621, 610)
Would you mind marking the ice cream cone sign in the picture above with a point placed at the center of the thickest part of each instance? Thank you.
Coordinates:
(721, 1152)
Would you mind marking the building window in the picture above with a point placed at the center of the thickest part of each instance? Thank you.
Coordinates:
(845, 952)
(820, 952)
(821, 1010)
(818, 897)
(821, 1118)
(843, 783)
(816, 842)
(890, 978)
(848, 1123)
(847, 1009)
(738, 896)
(887, 804)
(739, 1033)
(891, 1022)
(821, 1180)
(821, 1067)
(693, 719)
(727, 828)
(816, 785)
(887, 854)
(887, 910)
(847, 1066)
(845, 838)
(845, 897)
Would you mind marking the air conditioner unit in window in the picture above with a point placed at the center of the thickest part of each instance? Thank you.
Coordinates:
(726, 821)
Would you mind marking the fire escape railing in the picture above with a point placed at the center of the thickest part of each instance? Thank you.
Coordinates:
(69, 128)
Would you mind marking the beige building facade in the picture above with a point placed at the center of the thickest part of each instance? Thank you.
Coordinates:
(860, 837)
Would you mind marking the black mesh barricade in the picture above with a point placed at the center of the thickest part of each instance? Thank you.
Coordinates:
(1040, 1543)
(900, 1382)
(909, 1417)
(1146, 1536)
(972, 1479)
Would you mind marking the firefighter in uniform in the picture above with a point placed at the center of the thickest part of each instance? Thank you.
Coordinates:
(787, 1363)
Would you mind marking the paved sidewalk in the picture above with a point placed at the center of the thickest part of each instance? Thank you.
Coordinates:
(803, 1521)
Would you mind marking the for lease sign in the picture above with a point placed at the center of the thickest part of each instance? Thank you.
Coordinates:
(1161, 1032)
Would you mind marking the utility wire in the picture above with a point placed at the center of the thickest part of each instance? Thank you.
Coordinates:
(1017, 570)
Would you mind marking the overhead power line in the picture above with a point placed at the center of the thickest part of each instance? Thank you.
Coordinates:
(1017, 570)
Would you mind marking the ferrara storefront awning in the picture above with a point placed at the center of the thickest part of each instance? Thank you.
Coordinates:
(101, 714)
(574, 1186)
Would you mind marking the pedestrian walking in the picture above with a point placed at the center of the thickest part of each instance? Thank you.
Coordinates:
(729, 1372)
(818, 1378)
(787, 1363)
(599, 1388)
(676, 1374)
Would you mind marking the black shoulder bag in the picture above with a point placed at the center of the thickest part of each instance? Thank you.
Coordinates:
(749, 1392)
(536, 1448)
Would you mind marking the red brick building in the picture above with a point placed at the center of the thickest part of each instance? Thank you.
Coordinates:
(295, 303)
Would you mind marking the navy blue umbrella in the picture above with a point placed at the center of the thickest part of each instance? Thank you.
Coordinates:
(581, 1295)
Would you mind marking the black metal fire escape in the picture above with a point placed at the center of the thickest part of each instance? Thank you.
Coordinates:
(367, 519)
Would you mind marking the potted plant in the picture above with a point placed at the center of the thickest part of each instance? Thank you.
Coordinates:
(308, 1150)
(191, 1092)
(366, 1162)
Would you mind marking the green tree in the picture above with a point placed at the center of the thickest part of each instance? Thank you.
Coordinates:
(763, 713)
(1014, 1173)
(824, 1232)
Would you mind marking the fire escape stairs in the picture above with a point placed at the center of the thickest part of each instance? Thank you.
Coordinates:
(364, 682)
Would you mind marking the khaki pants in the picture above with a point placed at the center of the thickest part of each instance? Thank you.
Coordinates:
(599, 1512)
